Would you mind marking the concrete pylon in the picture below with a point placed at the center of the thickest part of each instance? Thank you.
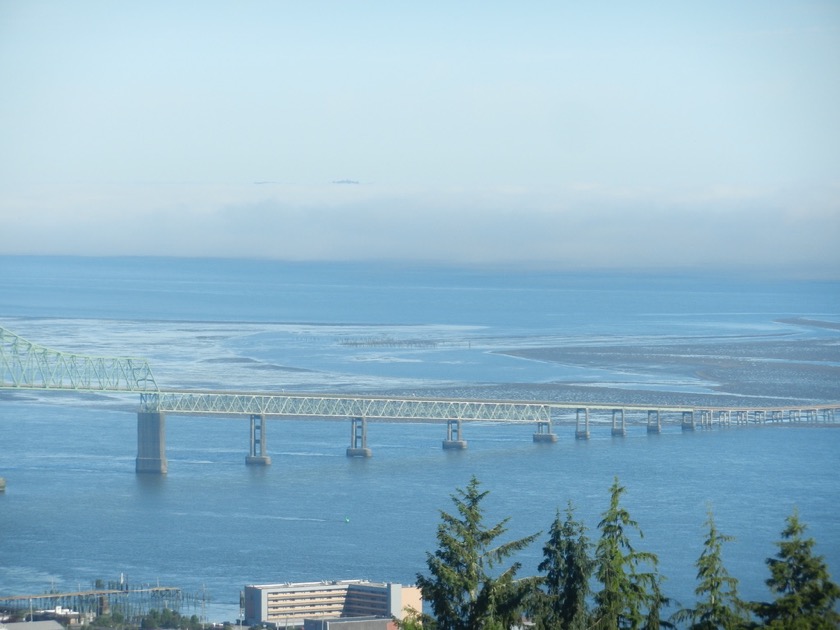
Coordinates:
(619, 426)
(151, 443)
(582, 433)
(453, 441)
(358, 439)
(654, 422)
(544, 434)
(257, 455)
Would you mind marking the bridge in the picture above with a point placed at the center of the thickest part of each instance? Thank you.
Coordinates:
(29, 366)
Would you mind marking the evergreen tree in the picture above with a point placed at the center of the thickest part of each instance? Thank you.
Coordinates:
(805, 595)
(718, 606)
(567, 567)
(630, 597)
(463, 588)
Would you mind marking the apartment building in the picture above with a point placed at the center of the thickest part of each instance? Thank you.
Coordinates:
(290, 604)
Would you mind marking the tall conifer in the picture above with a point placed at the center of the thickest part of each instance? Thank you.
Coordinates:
(718, 606)
(567, 567)
(805, 595)
(630, 595)
(464, 588)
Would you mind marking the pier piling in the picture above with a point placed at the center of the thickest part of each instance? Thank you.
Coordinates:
(257, 455)
(544, 434)
(151, 443)
(358, 439)
(654, 421)
(453, 439)
(618, 429)
(582, 434)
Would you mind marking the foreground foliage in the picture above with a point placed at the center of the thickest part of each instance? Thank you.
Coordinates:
(718, 604)
(567, 567)
(462, 588)
(467, 589)
(165, 619)
(805, 595)
(630, 595)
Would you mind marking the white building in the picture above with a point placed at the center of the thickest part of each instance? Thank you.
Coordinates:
(290, 604)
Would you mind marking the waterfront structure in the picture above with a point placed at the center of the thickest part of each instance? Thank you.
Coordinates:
(292, 603)
(25, 365)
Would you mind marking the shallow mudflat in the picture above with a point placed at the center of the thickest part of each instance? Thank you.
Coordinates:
(762, 370)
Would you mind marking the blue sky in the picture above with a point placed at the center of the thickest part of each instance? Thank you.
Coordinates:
(573, 135)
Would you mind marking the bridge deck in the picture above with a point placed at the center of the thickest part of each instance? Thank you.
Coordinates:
(407, 408)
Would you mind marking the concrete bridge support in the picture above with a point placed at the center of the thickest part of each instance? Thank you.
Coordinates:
(654, 421)
(257, 455)
(688, 423)
(358, 439)
(582, 433)
(618, 429)
(151, 443)
(453, 439)
(544, 434)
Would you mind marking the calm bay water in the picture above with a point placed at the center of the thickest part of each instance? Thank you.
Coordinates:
(74, 510)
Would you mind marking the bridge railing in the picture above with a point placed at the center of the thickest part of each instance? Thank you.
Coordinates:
(27, 365)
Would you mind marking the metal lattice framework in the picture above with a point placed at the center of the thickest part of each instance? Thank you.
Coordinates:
(26, 365)
(322, 406)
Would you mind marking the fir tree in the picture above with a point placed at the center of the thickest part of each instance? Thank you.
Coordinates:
(630, 597)
(464, 588)
(805, 595)
(718, 606)
(567, 567)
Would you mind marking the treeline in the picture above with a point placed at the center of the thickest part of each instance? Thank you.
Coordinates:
(606, 583)
(153, 620)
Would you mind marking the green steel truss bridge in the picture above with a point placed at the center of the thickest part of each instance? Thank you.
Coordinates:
(29, 366)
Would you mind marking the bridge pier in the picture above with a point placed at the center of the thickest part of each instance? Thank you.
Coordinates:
(151, 443)
(582, 434)
(688, 421)
(654, 422)
(453, 441)
(618, 430)
(544, 434)
(358, 439)
(257, 455)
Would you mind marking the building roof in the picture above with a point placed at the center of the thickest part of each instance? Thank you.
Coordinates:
(32, 625)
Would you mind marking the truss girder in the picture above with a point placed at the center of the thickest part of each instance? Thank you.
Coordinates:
(346, 407)
(26, 365)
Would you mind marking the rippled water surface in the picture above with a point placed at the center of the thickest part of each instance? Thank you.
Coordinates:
(75, 511)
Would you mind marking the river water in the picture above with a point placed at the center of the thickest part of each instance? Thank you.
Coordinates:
(75, 511)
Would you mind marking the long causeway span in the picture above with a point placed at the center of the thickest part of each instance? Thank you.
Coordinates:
(29, 366)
